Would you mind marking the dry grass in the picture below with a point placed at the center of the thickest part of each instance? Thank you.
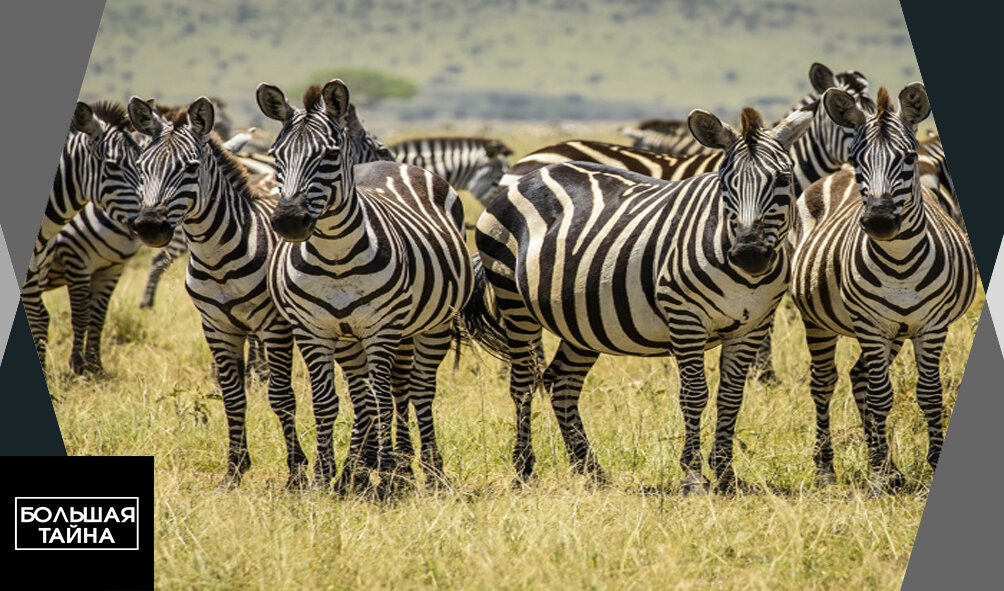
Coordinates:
(160, 400)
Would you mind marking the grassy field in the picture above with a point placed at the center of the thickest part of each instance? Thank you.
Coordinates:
(160, 399)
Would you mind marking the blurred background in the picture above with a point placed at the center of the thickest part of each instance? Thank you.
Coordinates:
(476, 65)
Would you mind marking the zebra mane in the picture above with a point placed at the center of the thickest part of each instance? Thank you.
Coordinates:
(236, 173)
(885, 110)
(751, 125)
(312, 98)
(112, 113)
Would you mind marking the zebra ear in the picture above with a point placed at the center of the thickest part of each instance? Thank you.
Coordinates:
(202, 116)
(336, 98)
(792, 127)
(821, 77)
(710, 131)
(914, 106)
(83, 120)
(273, 102)
(841, 107)
(143, 117)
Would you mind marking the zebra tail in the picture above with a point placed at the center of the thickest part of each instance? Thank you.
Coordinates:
(478, 320)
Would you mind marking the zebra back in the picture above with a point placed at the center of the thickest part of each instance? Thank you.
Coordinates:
(471, 163)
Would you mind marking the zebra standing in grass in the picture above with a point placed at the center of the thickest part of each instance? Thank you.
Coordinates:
(97, 164)
(878, 260)
(619, 263)
(88, 257)
(188, 178)
(475, 164)
(375, 270)
(821, 151)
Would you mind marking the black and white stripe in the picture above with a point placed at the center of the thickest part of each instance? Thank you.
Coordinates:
(665, 136)
(877, 259)
(375, 272)
(188, 178)
(471, 163)
(624, 264)
(97, 165)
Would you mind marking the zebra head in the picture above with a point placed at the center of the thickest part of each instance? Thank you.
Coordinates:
(828, 142)
(884, 155)
(169, 166)
(111, 158)
(313, 162)
(756, 182)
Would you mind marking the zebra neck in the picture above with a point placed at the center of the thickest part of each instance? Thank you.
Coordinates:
(812, 153)
(344, 227)
(77, 180)
(220, 212)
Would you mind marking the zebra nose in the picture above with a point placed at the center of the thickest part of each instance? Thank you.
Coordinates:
(750, 252)
(152, 227)
(292, 220)
(880, 219)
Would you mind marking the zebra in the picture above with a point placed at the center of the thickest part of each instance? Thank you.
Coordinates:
(877, 259)
(620, 263)
(88, 258)
(933, 171)
(665, 136)
(368, 148)
(471, 163)
(372, 273)
(821, 151)
(188, 178)
(97, 165)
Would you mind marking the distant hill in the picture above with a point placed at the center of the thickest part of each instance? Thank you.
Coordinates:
(529, 59)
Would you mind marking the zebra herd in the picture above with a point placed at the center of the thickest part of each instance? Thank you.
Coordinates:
(355, 252)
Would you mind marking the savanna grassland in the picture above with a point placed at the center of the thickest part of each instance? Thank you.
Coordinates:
(159, 398)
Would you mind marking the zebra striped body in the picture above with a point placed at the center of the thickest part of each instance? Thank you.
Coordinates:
(879, 260)
(88, 257)
(619, 263)
(187, 178)
(97, 165)
(665, 136)
(474, 164)
(374, 273)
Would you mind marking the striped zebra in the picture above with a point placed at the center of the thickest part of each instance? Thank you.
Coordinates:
(822, 150)
(367, 147)
(188, 178)
(877, 259)
(97, 165)
(624, 264)
(665, 136)
(373, 273)
(474, 164)
(88, 257)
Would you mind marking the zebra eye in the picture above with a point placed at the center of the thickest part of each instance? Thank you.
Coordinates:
(112, 166)
(783, 179)
(910, 159)
(192, 167)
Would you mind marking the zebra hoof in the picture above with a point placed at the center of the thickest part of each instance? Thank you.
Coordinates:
(734, 486)
(229, 482)
(768, 377)
(298, 479)
(77, 364)
(695, 484)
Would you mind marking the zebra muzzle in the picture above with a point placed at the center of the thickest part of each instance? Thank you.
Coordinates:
(152, 227)
(880, 220)
(750, 252)
(292, 219)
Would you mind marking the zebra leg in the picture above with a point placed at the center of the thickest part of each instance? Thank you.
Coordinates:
(257, 358)
(693, 399)
(319, 355)
(878, 402)
(859, 388)
(278, 345)
(380, 352)
(103, 284)
(362, 454)
(563, 380)
(823, 379)
(927, 352)
(161, 261)
(399, 384)
(37, 314)
(431, 348)
(736, 358)
(763, 364)
(228, 356)
(80, 317)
